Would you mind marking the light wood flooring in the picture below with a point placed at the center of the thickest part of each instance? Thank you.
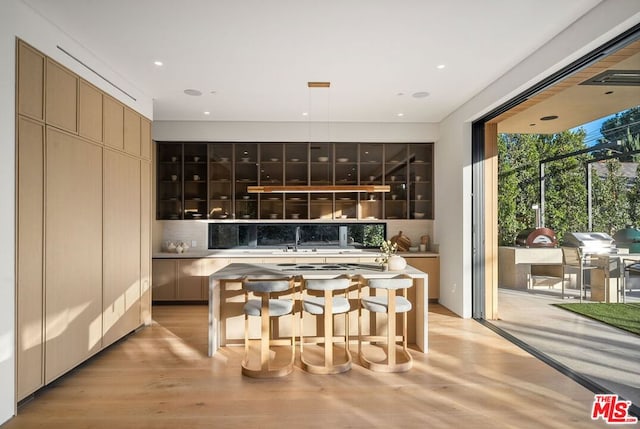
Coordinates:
(161, 377)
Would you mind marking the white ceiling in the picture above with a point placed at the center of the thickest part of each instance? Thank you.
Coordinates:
(258, 55)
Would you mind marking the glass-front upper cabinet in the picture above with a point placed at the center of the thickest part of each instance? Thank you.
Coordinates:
(220, 180)
(346, 164)
(397, 178)
(321, 206)
(296, 205)
(421, 170)
(371, 164)
(271, 164)
(296, 164)
(209, 180)
(195, 180)
(321, 162)
(246, 174)
(271, 206)
(169, 178)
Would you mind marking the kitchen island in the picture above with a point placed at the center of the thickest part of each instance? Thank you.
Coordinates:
(226, 321)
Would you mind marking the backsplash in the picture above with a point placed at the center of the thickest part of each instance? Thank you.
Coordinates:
(196, 231)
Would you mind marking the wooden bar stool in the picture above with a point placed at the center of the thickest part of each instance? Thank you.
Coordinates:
(390, 304)
(268, 308)
(327, 305)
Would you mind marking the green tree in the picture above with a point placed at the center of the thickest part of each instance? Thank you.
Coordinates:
(566, 191)
(519, 183)
(623, 127)
(634, 200)
(610, 203)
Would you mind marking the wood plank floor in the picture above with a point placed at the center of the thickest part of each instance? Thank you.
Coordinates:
(160, 377)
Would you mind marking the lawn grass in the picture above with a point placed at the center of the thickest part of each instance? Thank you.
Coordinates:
(623, 316)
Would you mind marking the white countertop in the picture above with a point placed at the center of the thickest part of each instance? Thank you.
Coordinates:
(239, 270)
(278, 253)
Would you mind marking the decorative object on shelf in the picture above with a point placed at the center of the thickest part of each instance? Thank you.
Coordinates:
(396, 263)
(176, 247)
(402, 242)
(424, 242)
(387, 249)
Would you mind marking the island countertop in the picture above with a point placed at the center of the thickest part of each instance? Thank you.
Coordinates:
(279, 253)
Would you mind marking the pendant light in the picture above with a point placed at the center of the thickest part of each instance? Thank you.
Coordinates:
(318, 188)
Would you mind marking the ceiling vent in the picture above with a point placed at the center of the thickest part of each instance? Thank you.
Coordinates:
(615, 78)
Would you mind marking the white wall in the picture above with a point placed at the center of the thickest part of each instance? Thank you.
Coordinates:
(294, 131)
(453, 183)
(18, 20)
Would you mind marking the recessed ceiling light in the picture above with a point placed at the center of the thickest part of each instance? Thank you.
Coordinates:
(440, 66)
(400, 114)
(420, 94)
(549, 118)
(193, 92)
(158, 63)
(207, 113)
(305, 113)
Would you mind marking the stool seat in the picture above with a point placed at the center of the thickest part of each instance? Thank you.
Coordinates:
(380, 304)
(316, 305)
(277, 307)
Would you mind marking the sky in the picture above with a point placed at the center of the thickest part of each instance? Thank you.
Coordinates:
(593, 130)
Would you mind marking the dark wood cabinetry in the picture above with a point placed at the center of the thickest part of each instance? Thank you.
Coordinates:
(210, 180)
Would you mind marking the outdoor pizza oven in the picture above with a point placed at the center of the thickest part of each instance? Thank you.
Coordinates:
(537, 237)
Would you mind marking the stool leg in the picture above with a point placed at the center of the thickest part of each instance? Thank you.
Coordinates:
(328, 329)
(265, 334)
(391, 328)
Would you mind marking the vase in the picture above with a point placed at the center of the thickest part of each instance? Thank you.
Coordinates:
(396, 263)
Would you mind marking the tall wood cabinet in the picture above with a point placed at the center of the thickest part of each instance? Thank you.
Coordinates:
(121, 260)
(30, 256)
(73, 249)
(83, 215)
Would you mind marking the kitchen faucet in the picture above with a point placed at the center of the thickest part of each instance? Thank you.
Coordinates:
(297, 239)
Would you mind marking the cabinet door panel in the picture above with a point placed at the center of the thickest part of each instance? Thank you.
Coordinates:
(121, 291)
(145, 242)
(30, 82)
(73, 249)
(90, 112)
(29, 291)
(431, 266)
(62, 97)
(131, 132)
(113, 123)
(190, 283)
(145, 138)
(164, 275)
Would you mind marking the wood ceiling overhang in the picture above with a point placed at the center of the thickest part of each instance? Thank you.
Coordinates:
(573, 103)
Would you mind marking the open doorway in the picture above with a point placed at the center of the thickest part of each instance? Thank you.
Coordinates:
(570, 170)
